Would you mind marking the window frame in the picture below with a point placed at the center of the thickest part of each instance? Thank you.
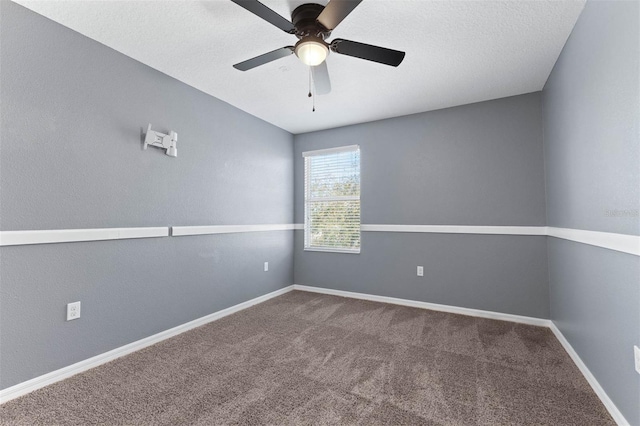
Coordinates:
(358, 198)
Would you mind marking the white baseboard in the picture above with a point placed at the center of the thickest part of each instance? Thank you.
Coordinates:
(63, 373)
(71, 370)
(608, 403)
(541, 322)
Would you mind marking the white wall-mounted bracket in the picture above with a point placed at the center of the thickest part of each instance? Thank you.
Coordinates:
(162, 140)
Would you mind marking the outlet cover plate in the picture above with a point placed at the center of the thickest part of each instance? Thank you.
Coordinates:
(73, 311)
(266, 266)
(636, 353)
(420, 271)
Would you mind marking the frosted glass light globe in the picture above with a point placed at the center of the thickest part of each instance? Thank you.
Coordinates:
(312, 52)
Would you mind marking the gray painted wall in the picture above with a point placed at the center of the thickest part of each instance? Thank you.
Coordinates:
(591, 127)
(592, 156)
(71, 120)
(595, 302)
(499, 273)
(479, 164)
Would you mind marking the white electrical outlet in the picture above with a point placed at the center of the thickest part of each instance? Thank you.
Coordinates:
(73, 311)
(420, 271)
(266, 266)
(636, 352)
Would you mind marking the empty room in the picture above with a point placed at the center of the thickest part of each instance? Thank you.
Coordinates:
(338, 212)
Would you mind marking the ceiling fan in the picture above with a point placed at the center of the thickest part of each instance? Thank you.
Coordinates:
(312, 24)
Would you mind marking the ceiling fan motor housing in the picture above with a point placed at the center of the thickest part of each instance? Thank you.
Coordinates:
(305, 20)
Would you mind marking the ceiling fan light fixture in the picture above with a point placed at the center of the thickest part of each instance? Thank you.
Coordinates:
(312, 51)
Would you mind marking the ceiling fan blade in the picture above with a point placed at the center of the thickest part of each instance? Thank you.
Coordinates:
(321, 78)
(263, 59)
(366, 51)
(262, 11)
(336, 11)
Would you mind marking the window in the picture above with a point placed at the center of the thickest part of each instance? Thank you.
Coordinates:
(332, 199)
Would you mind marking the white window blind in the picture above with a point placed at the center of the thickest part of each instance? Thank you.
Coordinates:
(332, 199)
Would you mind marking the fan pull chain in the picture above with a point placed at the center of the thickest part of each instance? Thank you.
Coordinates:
(312, 92)
(313, 88)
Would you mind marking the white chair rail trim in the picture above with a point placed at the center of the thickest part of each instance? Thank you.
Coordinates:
(624, 243)
(18, 238)
(179, 231)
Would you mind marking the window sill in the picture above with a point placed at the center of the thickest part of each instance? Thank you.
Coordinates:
(332, 250)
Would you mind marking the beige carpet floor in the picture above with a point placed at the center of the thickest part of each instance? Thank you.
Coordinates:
(310, 359)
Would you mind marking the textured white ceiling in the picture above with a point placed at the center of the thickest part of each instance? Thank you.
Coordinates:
(457, 52)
